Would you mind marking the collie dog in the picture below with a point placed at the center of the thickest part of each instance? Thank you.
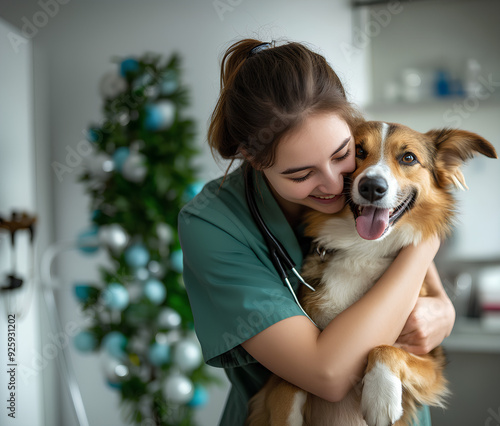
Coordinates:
(400, 194)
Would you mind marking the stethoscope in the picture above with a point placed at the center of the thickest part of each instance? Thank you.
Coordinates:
(278, 254)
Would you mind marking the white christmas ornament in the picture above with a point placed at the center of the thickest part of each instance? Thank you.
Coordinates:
(134, 169)
(165, 233)
(156, 269)
(187, 355)
(169, 318)
(113, 236)
(178, 388)
(114, 369)
(100, 165)
(142, 274)
(111, 85)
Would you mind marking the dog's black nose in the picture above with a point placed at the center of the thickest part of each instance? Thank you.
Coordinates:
(372, 188)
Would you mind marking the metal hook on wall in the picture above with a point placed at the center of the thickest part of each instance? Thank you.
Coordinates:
(18, 222)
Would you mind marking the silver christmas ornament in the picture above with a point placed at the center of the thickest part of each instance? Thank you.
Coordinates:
(100, 165)
(161, 338)
(152, 91)
(114, 369)
(169, 318)
(142, 274)
(111, 85)
(156, 269)
(187, 355)
(165, 233)
(113, 236)
(123, 118)
(178, 388)
(174, 336)
(134, 169)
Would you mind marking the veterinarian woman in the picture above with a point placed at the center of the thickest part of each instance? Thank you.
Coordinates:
(283, 110)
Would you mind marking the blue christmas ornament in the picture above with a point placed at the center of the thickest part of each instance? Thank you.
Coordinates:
(176, 261)
(137, 256)
(193, 190)
(120, 156)
(113, 385)
(115, 296)
(155, 291)
(200, 397)
(84, 291)
(85, 341)
(170, 82)
(160, 115)
(128, 65)
(115, 343)
(96, 214)
(93, 135)
(159, 354)
(88, 241)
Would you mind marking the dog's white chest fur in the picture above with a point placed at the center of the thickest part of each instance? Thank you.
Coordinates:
(354, 265)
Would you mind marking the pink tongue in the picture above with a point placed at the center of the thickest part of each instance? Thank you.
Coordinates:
(372, 222)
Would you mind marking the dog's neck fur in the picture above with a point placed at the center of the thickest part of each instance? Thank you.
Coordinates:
(339, 234)
(353, 260)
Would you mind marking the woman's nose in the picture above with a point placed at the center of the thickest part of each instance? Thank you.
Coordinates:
(333, 177)
(332, 184)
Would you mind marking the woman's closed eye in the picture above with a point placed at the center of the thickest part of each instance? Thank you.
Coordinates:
(336, 159)
(344, 156)
(302, 178)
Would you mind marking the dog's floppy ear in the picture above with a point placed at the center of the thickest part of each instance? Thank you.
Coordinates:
(454, 147)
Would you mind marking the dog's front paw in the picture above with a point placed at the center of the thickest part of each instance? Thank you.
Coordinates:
(381, 399)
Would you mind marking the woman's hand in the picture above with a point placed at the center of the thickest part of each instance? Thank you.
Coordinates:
(430, 321)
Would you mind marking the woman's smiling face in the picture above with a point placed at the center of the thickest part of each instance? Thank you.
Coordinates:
(311, 163)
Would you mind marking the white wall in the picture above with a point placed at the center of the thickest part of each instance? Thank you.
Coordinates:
(18, 192)
(79, 41)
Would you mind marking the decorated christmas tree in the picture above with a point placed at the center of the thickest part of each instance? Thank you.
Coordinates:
(139, 176)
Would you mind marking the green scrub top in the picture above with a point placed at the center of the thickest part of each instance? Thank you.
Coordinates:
(232, 285)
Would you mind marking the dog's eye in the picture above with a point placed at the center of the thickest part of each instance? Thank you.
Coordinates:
(409, 159)
(360, 152)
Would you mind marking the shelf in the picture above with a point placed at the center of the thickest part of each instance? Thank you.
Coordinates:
(474, 335)
(466, 104)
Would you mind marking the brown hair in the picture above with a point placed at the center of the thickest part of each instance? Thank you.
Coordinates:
(266, 94)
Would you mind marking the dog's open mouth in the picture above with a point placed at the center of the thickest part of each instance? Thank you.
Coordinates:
(372, 222)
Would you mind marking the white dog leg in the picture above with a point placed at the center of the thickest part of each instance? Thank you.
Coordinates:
(381, 400)
(296, 417)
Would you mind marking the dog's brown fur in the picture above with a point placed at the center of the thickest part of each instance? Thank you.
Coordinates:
(440, 155)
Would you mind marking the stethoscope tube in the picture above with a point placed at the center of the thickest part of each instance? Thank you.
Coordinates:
(280, 258)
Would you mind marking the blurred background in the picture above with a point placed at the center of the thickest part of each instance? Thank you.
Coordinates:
(427, 64)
